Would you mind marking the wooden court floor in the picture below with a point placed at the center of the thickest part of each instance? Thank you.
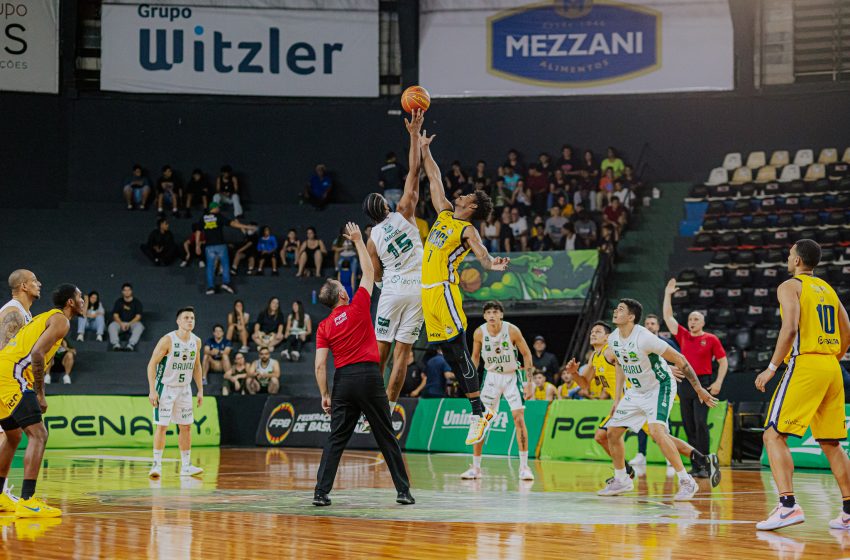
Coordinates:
(255, 503)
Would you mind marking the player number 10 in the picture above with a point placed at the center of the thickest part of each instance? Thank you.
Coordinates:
(826, 316)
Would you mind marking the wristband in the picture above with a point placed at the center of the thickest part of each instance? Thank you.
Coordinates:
(772, 367)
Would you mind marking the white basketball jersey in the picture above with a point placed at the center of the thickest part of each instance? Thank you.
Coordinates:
(17, 305)
(267, 369)
(400, 250)
(498, 352)
(176, 368)
(640, 357)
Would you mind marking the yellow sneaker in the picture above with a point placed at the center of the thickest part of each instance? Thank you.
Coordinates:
(35, 508)
(8, 501)
(31, 529)
(478, 427)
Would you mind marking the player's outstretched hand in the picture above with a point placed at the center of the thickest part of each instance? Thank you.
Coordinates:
(501, 263)
(352, 232)
(706, 398)
(763, 379)
(425, 140)
(153, 397)
(415, 123)
(571, 367)
(671, 287)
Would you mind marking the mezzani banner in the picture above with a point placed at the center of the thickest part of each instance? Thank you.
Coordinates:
(574, 47)
(29, 46)
(184, 48)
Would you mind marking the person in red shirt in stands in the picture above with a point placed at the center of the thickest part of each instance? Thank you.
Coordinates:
(358, 386)
(700, 348)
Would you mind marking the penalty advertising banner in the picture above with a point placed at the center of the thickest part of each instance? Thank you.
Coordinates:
(441, 425)
(80, 421)
(570, 426)
(805, 450)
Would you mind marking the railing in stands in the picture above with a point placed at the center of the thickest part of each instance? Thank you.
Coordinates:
(594, 305)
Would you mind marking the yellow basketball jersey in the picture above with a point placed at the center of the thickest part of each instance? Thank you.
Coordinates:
(818, 331)
(444, 250)
(604, 375)
(540, 392)
(564, 389)
(15, 357)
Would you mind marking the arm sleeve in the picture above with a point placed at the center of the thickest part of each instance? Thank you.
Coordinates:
(717, 348)
(321, 339)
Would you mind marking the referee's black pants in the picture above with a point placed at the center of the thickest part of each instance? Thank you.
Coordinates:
(695, 414)
(360, 388)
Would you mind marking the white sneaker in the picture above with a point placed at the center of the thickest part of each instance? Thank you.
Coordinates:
(671, 472)
(47, 379)
(184, 264)
(526, 474)
(841, 522)
(80, 337)
(687, 489)
(284, 354)
(191, 470)
(615, 487)
(156, 471)
(639, 460)
(782, 517)
(472, 473)
(66, 379)
(295, 355)
(202, 264)
(100, 338)
(244, 349)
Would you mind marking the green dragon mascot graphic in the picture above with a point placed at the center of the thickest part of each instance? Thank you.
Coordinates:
(529, 277)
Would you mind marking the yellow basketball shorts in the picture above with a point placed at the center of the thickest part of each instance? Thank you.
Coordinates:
(10, 396)
(443, 310)
(810, 393)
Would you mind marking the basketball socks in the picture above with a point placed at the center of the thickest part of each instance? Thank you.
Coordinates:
(683, 475)
(523, 459)
(392, 408)
(620, 474)
(157, 457)
(790, 501)
(846, 506)
(28, 489)
(186, 458)
(476, 461)
(477, 407)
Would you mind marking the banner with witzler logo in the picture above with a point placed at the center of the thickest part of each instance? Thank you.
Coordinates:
(574, 47)
(29, 37)
(259, 50)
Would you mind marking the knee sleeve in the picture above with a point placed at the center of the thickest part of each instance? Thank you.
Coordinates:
(457, 355)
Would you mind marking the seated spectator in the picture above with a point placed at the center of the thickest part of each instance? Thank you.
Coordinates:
(570, 240)
(414, 378)
(168, 191)
(198, 188)
(263, 375)
(238, 321)
(624, 194)
(347, 278)
(507, 243)
(137, 189)
(555, 227)
(544, 164)
(558, 187)
(519, 227)
(160, 248)
(193, 247)
(311, 253)
(606, 187)
(289, 249)
(586, 229)
(569, 388)
(481, 174)
(318, 191)
(566, 207)
(299, 326)
(538, 188)
(438, 375)
(588, 164)
(584, 197)
(538, 223)
(126, 320)
(235, 377)
(612, 162)
(501, 195)
(268, 330)
(490, 233)
(267, 250)
(63, 362)
(542, 390)
(247, 250)
(93, 320)
(615, 214)
(539, 241)
(217, 350)
(510, 178)
(391, 180)
(522, 198)
(456, 183)
(631, 182)
(227, 190)
(608, 240)
(567, 163)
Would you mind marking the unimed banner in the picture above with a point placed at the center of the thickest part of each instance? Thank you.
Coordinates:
(29, 46)
(198, 49)
(571, 47)
(570, 427)
(441, 425)
(78, 421)
(806, 451)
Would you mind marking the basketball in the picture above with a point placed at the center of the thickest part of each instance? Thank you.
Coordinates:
(415, 97)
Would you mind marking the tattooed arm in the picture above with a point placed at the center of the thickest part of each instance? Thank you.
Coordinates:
(11, 322)
(57, 327)
(681, 362)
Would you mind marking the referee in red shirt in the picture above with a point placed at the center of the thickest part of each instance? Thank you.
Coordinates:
(699, 348)
(358, 385)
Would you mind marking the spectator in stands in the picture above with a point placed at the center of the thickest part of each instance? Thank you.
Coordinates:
(539, 241)
(311, 253)
(391, 180)
(343, 250)
(481, 174)
(588, 164)
(137, 189)
(217, 351)
(615, 215)
(544, 164)
(235, 377)
(193, 247)
(490, 230)
(94, 319)
(198, 188)
(608, 240)
(299, 327)
(289, 249)
(522, 198)
(543, 361)
(538, 188)
(586, 229)
(584, 197)
(623, 194)
(319, 188)
(558, 187)
(263, 375)
(501, 194)
(570, 240)
(438, 374)
(267, 250)
(568, 388)
(247, 250)
(347, 278)
(238, 321)
(63, 362)
(126, 319)
(519, 228)
(631, 182)
(160, 248)
(606, 187)
(213, 223)
(268, 330)
(456, 182)
(414, 378)
(510, 178)
(555, 227)
(567, 163)
(565, 205)
(514, 162)
(168, 191)
(227, 191)
(543, 389)
(507, 243)
(612, 162)
(700, 349)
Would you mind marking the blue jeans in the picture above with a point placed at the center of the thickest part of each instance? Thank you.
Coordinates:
(97, 324)
(220, 252)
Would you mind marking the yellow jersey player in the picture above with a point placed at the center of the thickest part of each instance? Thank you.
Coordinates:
(451, 237)
(542, 390)
(22, 401)
(815, 334)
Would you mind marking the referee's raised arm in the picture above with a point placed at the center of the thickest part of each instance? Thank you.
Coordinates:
(367, 279)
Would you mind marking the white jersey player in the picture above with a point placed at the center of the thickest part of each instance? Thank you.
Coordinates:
(396, 252)
(641, 359)
(499, 343)
(175, 361)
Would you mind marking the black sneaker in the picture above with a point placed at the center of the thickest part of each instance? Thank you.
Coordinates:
(321, 499)
(403, 498)
(714, 469)
(701, 473)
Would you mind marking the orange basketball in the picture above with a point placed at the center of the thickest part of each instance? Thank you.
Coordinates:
(415, 97)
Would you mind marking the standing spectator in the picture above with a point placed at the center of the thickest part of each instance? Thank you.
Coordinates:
(538, 186)
(437, 375)
(213, 223)
(289, 249)
(318, 191)
(198, 188)
(268, 330)
(507, 243)
(247, 250)
(227, 190)
(312, 252)
(519, 227)
(586, 229)
(235, 378)
(567, 162)
(237, 325)
(63, 362)
(571, 240)
(391, 180)
(699, 348)
(490, 233)
(93, 320)
(217, 350)
(612, 162)
(267, 249)
(544, 362)
(137, 189)
(160, 248)
(126, 318)
(168, 191)
(299, 326)
(555, 226)
(414, 378)
(263, 375)
(194, 246)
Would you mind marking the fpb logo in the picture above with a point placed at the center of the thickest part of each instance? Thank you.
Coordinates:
(280, 423)
(571, 43)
